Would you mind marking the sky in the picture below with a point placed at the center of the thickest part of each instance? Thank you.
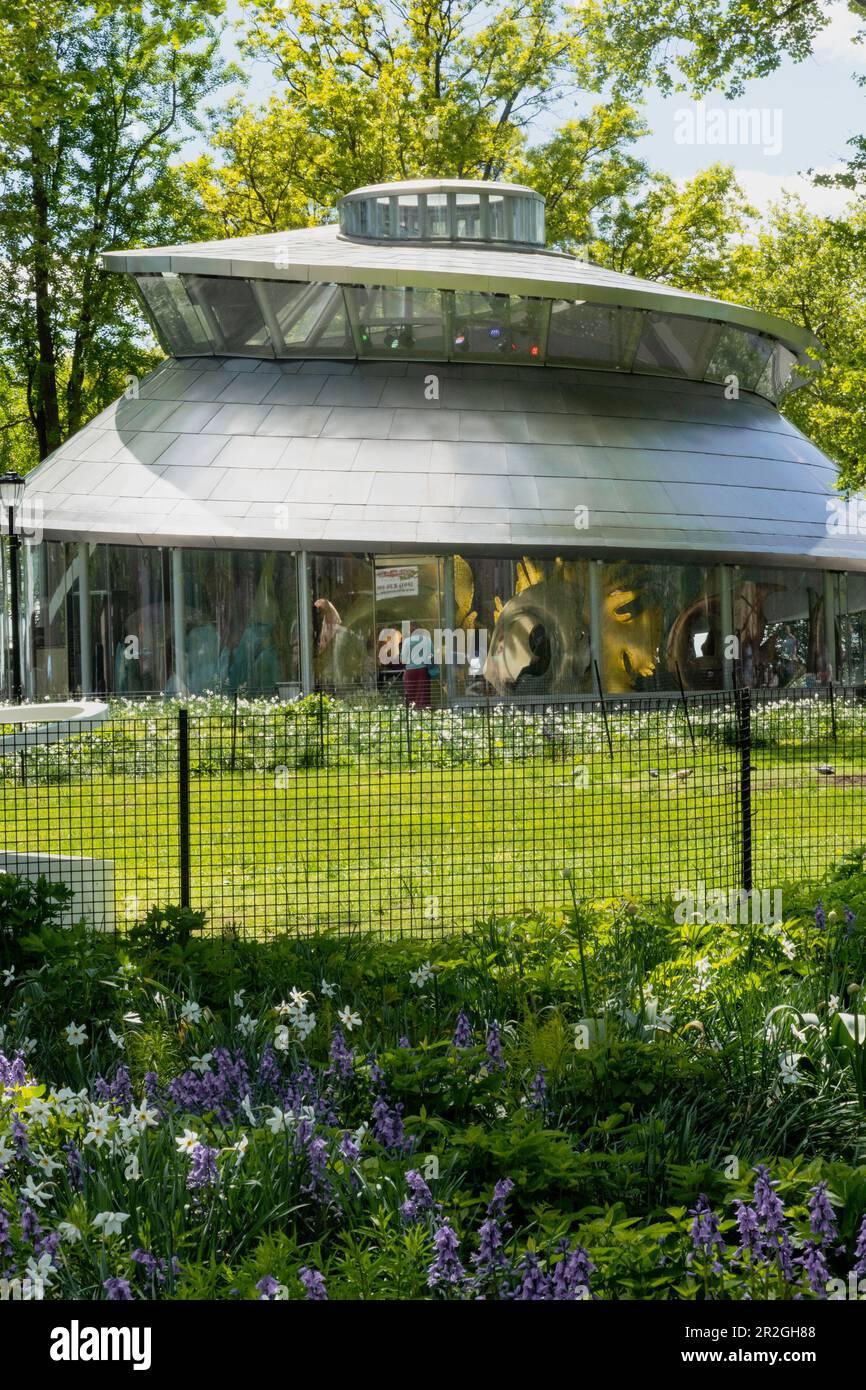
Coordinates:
(805, 114)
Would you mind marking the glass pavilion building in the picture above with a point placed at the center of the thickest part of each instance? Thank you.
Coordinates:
(421, 414)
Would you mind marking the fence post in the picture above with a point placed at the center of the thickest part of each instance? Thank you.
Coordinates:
(743, 698)
(183, 804)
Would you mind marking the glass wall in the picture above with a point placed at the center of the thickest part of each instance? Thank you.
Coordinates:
(197, 315)
(660, 623)
(53, 627)
(779, 621)
(128, 630)
(240, 621)
(344, 617)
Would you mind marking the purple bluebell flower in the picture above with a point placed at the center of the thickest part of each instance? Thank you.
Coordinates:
(496, 1206)
(820, 915)
(860, 1250)
(267, 1288)
(404, 1043)
(388, 1124)
(421, 1199)
(571, 1274)
(463, 1031)
(445, 1271)
(342, 1057)
(538, 1093)
(822, 1218)
(493, 1048)
(748, 1229)
(349, 1151)
(767, 1204)
(203, 1169)
(117, 1290)
(814, 1263)
(706, 1238)
(314, 1284)
(534, 1283)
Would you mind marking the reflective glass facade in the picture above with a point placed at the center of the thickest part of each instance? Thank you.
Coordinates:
(148, 621)
(212, 315)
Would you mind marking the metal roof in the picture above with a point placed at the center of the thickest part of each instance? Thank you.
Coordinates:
(353, 456)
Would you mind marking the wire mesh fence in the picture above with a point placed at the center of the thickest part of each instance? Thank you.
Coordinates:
(402, 821)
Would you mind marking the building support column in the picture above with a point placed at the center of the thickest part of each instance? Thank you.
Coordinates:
(726, 618)
(830, 623)
(449, 623)
(596, 645)
(305, 623)
(177, 599)
(85, 642)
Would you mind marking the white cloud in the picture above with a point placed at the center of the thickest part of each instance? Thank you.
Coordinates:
(836, 41)
(763, 188)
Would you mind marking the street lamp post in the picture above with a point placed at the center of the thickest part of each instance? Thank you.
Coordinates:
(11, 497)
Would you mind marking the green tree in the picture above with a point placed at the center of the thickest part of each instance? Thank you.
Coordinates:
(94, 100)
(812, 270)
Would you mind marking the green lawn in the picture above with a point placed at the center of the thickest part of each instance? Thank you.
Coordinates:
(483, 820)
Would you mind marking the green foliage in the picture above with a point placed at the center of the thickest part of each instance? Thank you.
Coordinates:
(166, 926)
(28, 905)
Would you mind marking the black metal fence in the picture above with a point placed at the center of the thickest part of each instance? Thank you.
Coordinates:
(319, 814)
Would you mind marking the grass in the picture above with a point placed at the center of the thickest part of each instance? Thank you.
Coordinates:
(349, 819)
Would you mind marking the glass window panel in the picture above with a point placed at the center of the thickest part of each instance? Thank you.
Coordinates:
(851, 607)
(54, 619)
(467, 211)
(594, 335)
(438, 219)
(741, 354)
(312, 318)
(539, 610)
(232, 307)
(344, 622)
(406, 322)
(778, 373)
(383, 222)
(408, 215)
(497, 227)
(528, 216)
(128, 625)
(487, 326)
(674, 345)
(779, 620)
(656, 620)
(241, 621)
(180, 323)
(407, 594)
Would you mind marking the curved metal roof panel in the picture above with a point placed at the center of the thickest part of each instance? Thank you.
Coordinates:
(354, 456)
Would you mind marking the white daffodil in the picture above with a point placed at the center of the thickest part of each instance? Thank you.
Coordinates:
(282, 1039)
(833, 1004)
(201, 1064)
(46, 1164)
(788, 1068)
(305, 1025)
(142, 1117)
(788, 948)
(246, 1025)
(348, 1019)
(38, 1110)
(187, 1142)
(281, 1120)
(118, 1039)
(75, 1034)
(69, 1232)
(238, 998)
(299, 998)
(242, 1145)
(40, 1271)
(98, 1133)
(7, 1153)
(422, 976)
(9, 975)
(110, 1223)
(247, 1108)
(191, 1012)
(327, 989)
(35, 1192)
